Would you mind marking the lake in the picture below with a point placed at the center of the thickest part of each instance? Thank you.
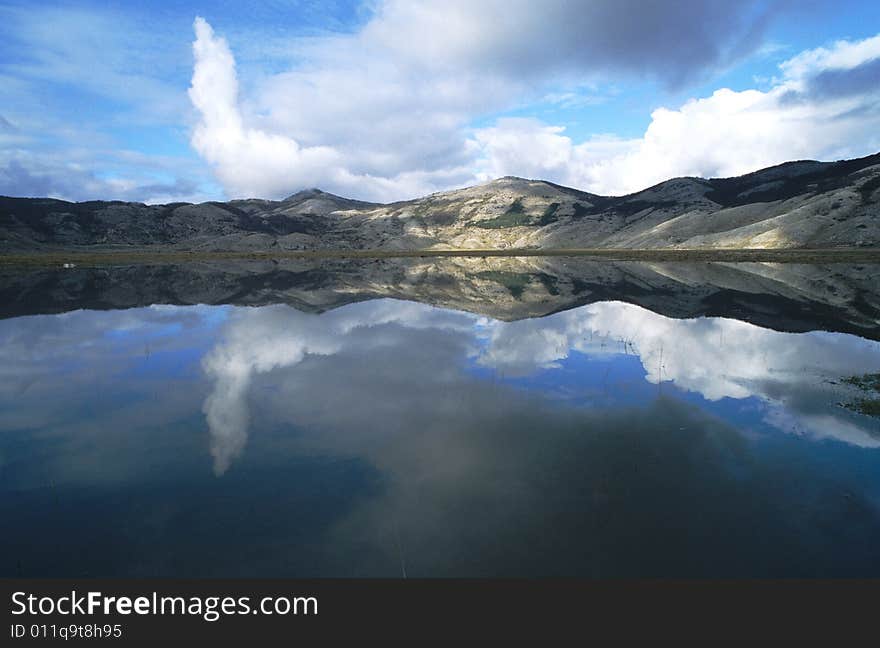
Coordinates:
(432, 418)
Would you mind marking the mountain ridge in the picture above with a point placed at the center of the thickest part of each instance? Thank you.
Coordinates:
(797, 204)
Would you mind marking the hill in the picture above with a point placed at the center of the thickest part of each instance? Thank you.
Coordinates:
(803, 204)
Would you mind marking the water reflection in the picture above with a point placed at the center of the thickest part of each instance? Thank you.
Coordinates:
(794, 297)
(387, 435)
(791, 375)
(258, 341)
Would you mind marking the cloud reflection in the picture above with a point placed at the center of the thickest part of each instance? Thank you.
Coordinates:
(716, 358)
(260, 340)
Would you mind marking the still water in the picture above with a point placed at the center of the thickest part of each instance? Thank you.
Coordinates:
(394, 438)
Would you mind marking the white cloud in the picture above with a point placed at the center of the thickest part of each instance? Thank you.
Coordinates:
(246, 160)
(843, 55)
(385, 113)
(388, 111)
(255, 162)
(804, 115)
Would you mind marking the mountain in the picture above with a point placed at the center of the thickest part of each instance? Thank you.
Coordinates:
(804, 204)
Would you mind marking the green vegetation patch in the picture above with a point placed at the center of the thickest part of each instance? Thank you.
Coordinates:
(551, 283)
(515, 282)
(870, 384)
(866, 406)
(867, 383)
(549, 215)
(868, 188)
(580, 210)
(515, 216)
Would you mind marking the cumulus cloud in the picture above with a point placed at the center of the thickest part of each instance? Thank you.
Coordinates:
(246, 160)
(254, 162)
(385, 113)
(404, 104)
(825, 106)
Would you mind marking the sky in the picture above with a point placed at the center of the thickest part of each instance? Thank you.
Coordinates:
(389, 99)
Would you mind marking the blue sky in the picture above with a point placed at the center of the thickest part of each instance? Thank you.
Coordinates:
(388, 99)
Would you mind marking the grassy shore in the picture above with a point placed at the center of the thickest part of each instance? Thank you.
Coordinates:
(87, 256)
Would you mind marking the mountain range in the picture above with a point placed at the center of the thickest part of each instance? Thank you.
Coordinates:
(802, 204)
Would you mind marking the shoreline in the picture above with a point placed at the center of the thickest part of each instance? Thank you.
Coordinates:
(146, 256)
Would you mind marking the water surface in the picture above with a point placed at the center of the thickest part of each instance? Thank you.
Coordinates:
(377, 436)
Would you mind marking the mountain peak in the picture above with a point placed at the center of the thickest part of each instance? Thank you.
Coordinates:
(305, 194)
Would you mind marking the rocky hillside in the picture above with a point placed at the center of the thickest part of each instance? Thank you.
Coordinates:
(794, 205)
